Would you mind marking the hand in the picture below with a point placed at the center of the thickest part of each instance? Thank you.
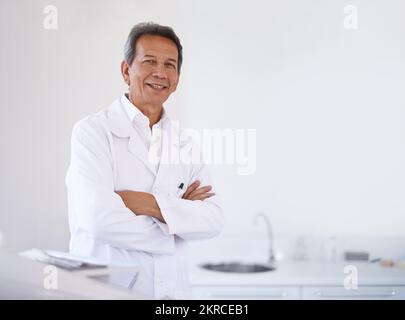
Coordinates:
(194, 192)
(141, 203)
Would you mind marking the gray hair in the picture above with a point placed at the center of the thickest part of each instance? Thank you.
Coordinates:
(150, 28)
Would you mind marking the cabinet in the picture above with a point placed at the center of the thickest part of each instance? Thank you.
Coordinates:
(233, 292)
(246, 292)
(362, 293)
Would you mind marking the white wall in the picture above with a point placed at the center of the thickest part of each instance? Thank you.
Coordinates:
(327, 104)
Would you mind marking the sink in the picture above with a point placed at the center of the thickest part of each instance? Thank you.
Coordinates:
(238, 267)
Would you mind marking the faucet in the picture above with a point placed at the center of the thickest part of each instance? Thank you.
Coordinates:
(266, 219)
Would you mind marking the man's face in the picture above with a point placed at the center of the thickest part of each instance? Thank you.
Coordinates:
(153, 75)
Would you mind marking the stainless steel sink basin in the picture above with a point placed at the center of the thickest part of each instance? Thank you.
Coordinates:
(238, 267)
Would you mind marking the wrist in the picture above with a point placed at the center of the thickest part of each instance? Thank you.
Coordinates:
(154, 208)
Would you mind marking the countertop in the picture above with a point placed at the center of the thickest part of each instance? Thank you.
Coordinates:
(21, 278)
(302, 273)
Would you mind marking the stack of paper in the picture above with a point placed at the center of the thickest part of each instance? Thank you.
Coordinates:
(62, 259)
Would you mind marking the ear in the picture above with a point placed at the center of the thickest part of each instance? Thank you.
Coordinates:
(125, 71)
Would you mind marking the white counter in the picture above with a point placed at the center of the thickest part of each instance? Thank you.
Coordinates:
(21, 278)
(301, 280)
(302, 273)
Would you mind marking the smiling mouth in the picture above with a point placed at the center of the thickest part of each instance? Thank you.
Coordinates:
(156, 86)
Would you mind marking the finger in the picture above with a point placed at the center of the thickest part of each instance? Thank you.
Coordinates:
(207, 195)
(204, 196)
(191, 188)
(200, 190)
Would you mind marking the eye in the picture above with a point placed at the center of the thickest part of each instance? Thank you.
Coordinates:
(170, 65)
(149, 61)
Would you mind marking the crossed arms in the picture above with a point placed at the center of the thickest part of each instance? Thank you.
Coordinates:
(143, 203)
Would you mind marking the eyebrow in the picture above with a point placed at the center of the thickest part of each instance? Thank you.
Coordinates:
(152, 56)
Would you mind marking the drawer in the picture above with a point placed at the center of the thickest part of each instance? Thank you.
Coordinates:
(246, 292)
(362, 293)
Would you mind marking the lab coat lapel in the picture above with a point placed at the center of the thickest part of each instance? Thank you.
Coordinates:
(120, 126)
(170, 144)
(173, 144)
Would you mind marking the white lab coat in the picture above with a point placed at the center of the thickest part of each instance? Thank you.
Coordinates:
(107, 155)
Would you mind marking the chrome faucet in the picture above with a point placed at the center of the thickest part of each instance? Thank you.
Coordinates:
(266, 219)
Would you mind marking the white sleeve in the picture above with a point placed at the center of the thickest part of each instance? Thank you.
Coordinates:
(192, 220)
(95, 208)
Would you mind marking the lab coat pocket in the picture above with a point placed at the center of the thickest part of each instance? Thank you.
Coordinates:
(181, 182)
(177, 180)
(181, 190)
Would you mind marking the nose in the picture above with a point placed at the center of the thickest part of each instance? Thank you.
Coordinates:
(159, 72)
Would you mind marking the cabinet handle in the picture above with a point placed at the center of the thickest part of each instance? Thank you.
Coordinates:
(360, 294)
(282, 294)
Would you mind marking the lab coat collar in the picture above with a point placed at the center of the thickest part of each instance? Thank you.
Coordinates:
(134, 114)
(121, 113)
(118, 121)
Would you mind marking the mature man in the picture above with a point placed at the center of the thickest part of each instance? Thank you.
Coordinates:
(126, 206)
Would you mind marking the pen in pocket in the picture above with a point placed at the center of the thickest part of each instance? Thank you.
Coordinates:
(180, 189)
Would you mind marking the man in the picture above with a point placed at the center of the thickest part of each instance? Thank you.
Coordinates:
(124, 206)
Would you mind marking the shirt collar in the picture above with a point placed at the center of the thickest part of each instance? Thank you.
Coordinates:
(134, 114)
